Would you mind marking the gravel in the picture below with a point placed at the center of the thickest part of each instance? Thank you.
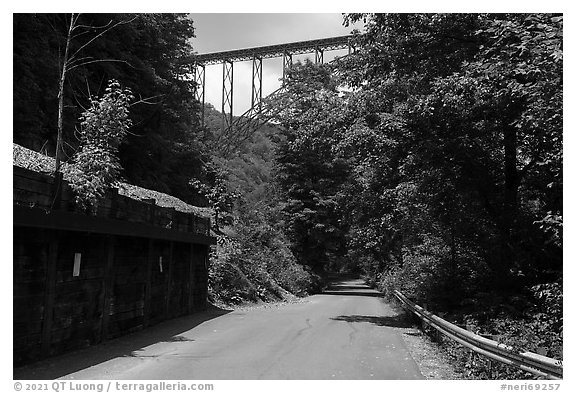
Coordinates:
(38, 162)
(433, 361)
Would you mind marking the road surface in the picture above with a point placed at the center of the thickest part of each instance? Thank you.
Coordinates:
(345, 333)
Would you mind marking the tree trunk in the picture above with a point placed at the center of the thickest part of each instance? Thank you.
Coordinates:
(59, 139)
(510, 205)
(453, 265)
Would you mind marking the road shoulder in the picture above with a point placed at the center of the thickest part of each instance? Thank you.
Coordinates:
(433, 362)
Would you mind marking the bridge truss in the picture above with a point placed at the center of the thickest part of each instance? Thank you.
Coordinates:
(234, 132)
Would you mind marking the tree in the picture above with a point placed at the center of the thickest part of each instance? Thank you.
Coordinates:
(95, 167)
(69, 61)
(218, 195)
(308, 171)
(162, 151)
(502, 116)
(448, 143)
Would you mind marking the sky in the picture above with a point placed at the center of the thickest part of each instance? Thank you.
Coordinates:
(216, 32)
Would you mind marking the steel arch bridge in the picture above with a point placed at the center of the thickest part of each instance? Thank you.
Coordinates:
(234, 132)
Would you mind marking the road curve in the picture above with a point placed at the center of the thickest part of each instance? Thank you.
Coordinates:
(345, 333)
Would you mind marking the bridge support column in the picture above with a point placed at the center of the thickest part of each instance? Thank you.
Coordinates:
(199, 88)
(257, 83)
(286, 63)
(227, 94)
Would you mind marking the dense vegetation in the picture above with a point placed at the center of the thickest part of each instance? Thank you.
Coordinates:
(253, 260)
(438, 169)
(145, 53)
(429, 160)
(161, 146)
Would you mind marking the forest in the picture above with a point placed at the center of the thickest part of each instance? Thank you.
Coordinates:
(428, 160)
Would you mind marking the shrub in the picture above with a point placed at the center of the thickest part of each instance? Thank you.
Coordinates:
(95, 167)
(538, 329)
(228, 284)
(255, 263)
(428, 274)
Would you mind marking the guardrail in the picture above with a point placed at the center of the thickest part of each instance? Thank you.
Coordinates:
(533, 363)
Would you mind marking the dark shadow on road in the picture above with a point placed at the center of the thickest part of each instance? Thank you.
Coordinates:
(355, 287)
(397, 321)
(339, 287)
(333, 276)
(369, 293)
(125, 346)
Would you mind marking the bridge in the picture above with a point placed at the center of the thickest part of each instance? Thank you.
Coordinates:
(234, 132)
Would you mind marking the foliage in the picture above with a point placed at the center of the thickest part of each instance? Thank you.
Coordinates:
(227, 283)
(36, 73)
(162, 152)
(429, 159)
(429, 275)
(537, 329)
(253, 260)
(308, 172)
(438, 170)
(267, 256)
(219, 197)
(255, 264)
(441, 135)
(95, 167)
(507, 137)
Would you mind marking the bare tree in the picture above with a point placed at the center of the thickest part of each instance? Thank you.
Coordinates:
(74, 60)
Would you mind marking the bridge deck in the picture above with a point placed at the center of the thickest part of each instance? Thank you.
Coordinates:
(271, 51)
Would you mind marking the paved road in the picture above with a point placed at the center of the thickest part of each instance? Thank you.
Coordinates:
(346, 333)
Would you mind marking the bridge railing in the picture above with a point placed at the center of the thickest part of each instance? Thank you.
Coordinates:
(270, 51)
(535, 364)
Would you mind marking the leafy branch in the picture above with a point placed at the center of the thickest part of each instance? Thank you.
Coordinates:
(96, 167)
